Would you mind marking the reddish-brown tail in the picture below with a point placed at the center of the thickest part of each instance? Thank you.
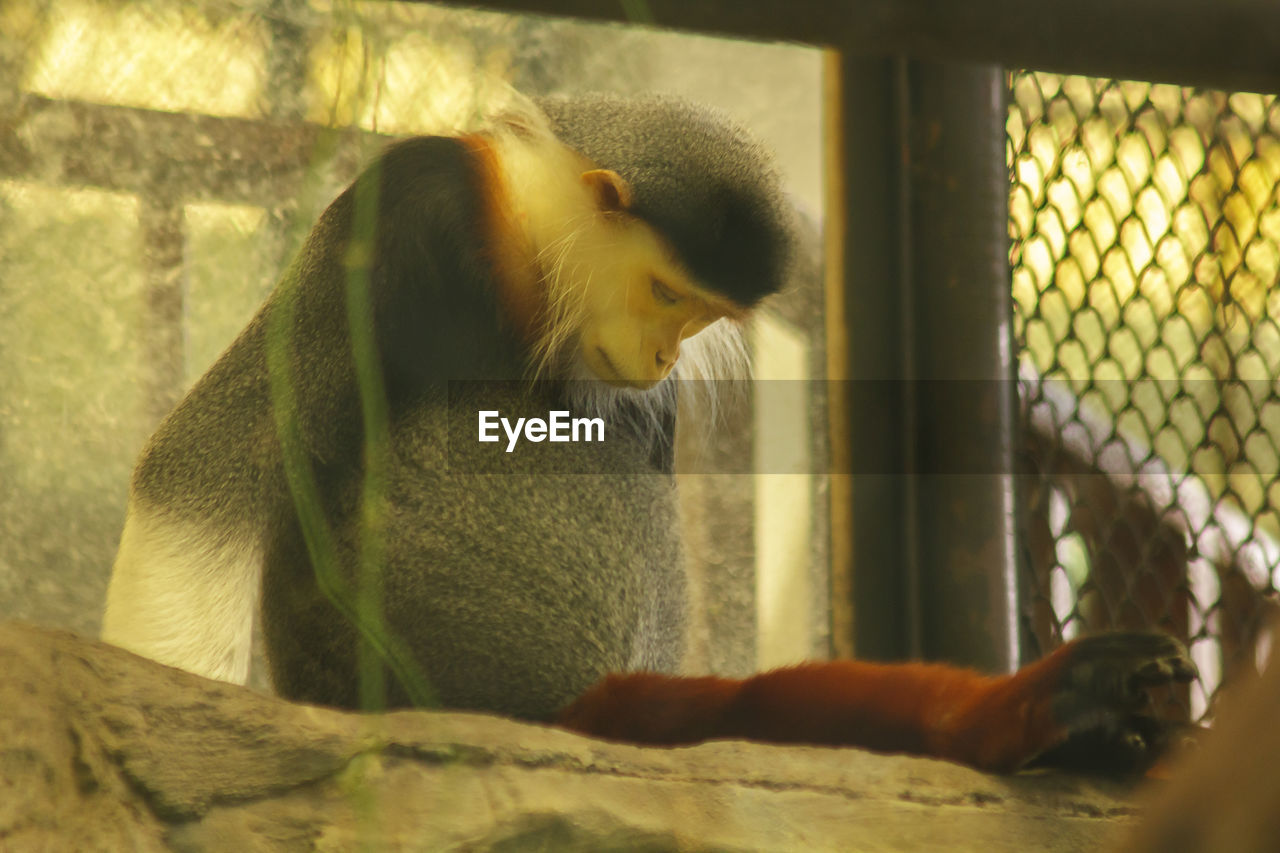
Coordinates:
(997, 723)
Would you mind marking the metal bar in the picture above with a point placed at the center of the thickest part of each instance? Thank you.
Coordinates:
(839, 406)
(926, 304)
(867, 226)
(287, 60)
(960, 504)
(1225, 44)
(164, 239)
(210, 158)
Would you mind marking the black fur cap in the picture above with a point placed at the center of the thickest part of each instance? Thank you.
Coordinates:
(698, 179)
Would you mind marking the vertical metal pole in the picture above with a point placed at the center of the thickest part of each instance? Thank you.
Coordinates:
(163, 226)
(287, 57)
(839, 411)
(286, 60)
(866, 202)
(961, 506)
(923, 264)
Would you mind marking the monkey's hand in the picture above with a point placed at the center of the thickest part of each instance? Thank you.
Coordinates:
(1102, 700)
(1086, 706)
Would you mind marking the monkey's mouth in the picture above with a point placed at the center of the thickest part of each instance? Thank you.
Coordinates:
(608, 363)
(616, 378)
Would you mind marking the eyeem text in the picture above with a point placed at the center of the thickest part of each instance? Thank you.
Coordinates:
(558, 426)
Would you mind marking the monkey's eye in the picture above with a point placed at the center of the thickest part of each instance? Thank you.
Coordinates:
(664, 294)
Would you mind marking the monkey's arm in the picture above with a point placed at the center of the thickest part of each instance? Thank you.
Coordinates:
(998, 723)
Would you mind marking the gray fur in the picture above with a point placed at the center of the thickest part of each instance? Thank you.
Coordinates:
(700, 180)
(516, 588)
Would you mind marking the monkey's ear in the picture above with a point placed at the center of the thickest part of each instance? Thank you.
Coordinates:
(612, 193)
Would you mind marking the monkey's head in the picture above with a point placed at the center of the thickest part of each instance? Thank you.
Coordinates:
(684, 226)
(637, 302)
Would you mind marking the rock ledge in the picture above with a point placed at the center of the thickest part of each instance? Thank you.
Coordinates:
(103, 750)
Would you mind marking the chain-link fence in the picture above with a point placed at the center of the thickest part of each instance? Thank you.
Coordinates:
(1145, 228)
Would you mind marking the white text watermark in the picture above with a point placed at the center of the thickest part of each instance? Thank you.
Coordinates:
(559, 426)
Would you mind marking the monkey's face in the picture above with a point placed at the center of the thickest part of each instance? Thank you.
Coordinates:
(638, 302)
(633, 330)
(638, 308)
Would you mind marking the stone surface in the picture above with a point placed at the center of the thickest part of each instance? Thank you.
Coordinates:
(102, 750)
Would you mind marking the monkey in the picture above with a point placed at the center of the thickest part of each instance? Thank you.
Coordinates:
(596, 255)
(484, 278)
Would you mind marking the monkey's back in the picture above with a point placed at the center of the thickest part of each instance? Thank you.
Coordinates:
(516, 580)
